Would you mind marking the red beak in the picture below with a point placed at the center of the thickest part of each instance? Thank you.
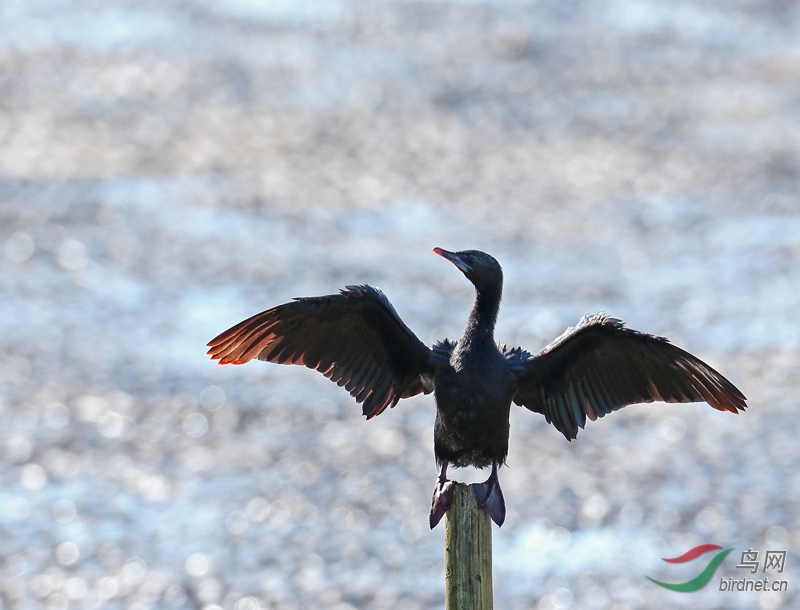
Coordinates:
(453, 258)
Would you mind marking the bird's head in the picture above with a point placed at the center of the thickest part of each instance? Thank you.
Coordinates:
(481, 269)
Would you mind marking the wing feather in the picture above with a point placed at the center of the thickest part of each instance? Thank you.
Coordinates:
(376, 393)
(583, 392)
(601, 366)
(354, 338)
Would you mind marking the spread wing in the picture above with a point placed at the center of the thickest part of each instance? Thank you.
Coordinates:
(600, 366)
(354, 338)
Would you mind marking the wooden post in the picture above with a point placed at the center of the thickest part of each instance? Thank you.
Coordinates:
(467, 553)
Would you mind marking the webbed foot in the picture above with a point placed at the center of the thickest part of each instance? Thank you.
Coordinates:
(490, 497)
(442, 497)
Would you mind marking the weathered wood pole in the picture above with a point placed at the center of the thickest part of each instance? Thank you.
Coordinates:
(467, 553)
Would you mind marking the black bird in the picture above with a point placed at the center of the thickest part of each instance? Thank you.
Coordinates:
(357, 340)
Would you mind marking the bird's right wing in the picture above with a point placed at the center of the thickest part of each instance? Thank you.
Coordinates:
(354, 338)
(600, 366)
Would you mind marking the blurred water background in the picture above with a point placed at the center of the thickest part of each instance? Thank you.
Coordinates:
(170, 167)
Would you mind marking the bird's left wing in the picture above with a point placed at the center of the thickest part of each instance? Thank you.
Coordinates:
(600, 366)
(354, 338)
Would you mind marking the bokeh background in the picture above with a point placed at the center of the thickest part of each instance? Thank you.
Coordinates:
(170, 167)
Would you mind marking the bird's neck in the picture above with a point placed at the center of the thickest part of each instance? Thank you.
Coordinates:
(482, 319)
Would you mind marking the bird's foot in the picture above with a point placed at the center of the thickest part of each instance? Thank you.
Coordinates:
(490, 498)
(442, 498)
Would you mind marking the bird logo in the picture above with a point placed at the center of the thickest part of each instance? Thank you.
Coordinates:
(701, 580)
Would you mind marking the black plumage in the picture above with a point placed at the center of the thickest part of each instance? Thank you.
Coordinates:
(354, 338)
(357, 340)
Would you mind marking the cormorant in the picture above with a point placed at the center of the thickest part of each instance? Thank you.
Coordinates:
(357, 340)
